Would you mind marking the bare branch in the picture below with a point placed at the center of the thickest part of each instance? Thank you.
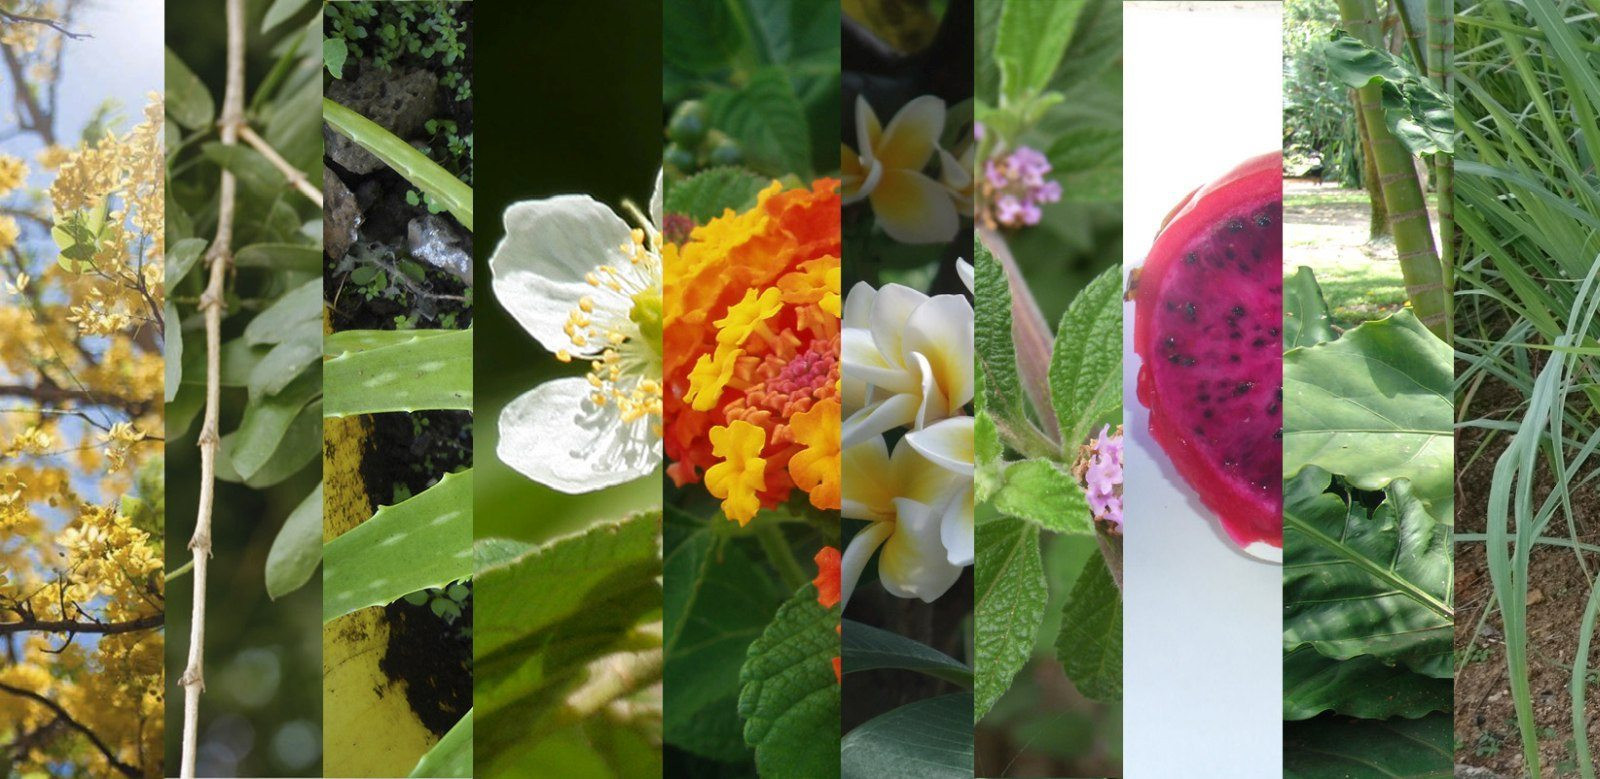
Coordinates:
(111, 757)
(71, 626)
(296, 178)
(39, 20)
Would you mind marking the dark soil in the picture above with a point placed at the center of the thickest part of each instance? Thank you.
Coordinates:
(434, 659)
(1485, 721)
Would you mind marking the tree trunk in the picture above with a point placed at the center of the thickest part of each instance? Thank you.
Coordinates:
(1402, 193)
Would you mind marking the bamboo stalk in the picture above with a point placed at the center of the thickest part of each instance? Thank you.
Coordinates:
(1441, 43)
(219, 257)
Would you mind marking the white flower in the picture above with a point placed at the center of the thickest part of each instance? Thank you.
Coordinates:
(907, 359)
(948, 444)
(886, 168)
(907, 501)
(587, 287)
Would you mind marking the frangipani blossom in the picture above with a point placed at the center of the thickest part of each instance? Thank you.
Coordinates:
(587, 287)
(887, 166)
(948, 443)
(906, 498)
(908, 359)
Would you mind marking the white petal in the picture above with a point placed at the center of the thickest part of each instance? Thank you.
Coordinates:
(858, 305)
(552, 435)
(892, 307)
(941, 330)
(655, 203)
(857, 553)
(864, 362)
(914, 563)
(539, 267)
(948, 443)
(955, 525)
(964, 270)
(875, 419)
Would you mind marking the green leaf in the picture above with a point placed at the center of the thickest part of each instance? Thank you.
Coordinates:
(1334, 747)
(1362, 686)
(719, 603)
(409, 371)
(1374, 406)
(541, 617)
(266, 422)
(1010, 595)
(996, 352)
(1040, 492)
(1030, 41)
(1090, 643)
(927, 738)
(188, 101)
(452, 756)
(172, 349)
(412, 165)
(1366, 582)
(280, 256)
(867, 648)
(334, 54)
(181, 258)
(699, 36)
(300, 444)
(987, 475)
(1086, 369)
(299, 310)
(1420, 116)
(425, 541)
(766, 118)
(285, 362)
(801, 34)
(254, 172)
(1305, 312)
(281, 11)
(790, 697)
(704, 196)
(1087, 162)
(297, 550)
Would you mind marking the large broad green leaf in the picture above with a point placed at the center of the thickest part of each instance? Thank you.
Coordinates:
(1305, 312)
(188, 101)
(300, 444)
(1041, 492)
(298, 311)
(801, 34)
(372, 372)
(424, 541)
(996, 353)
(790, 698)
(267, 423)
(452, 756)
(297, 550)
(719, 603)
(1374, 406)
(706, 194)
(412, 165)
(1010, 596)
(698, 36)
(1090, 643)
(542, 615)
(1359, 581)
(1420, 116)
(867, 648)
(1030, 41)
(1334, 747)
(920, 740)
(766, 118)
(1359, 687)
(1086, 369)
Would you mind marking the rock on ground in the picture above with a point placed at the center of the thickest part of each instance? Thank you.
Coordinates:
(401, 101)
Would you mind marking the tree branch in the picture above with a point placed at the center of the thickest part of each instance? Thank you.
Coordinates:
(219, 257)
(51, 395)
(111, 757)
(39, 20)
(290, 172)
(70, 626)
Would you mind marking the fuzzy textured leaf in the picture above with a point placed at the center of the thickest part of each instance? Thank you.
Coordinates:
(1090, 643)
(705, 195)
(767, 120)
(1042, 493)
(1010, 596)
(1086, 369)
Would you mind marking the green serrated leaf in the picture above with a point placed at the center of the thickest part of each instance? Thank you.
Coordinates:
(1040, 492)
(1086, 369)
(188, 101)
(767, 120)
(403, 371)
(868, 648)
(425, 541)
(1090, 643)
(297, 549)
(705, 195)
(1305, 312)
(699, 36)
(452, 756)
(996, 352)
(927, 738)
(790, 697)
(1030, 41)
(1009, 598)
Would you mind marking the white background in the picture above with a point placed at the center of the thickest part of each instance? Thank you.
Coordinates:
(1202, 626)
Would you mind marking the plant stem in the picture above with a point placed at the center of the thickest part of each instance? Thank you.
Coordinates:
(219, 257)
(178, 573)
(296, 178)
(776, 545)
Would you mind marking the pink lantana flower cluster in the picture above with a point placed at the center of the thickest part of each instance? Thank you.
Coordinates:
(1015, 187)
(1099, 470)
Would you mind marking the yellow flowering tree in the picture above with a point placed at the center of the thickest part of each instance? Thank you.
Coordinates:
(81, 376)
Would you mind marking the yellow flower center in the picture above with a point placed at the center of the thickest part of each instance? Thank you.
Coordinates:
(625, 352)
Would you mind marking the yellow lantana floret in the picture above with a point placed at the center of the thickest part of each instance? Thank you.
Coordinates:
(741, 474)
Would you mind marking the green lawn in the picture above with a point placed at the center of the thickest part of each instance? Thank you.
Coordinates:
(1325, 228)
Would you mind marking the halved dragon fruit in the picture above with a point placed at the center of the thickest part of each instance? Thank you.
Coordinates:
(1208, 319)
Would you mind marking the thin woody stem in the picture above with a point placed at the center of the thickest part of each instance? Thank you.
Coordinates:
(296, 178)
(219, 257)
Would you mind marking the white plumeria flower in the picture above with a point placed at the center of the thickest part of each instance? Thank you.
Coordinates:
(886, 169)
(907, 359)
(948, 444)
(906, 503)
(588, 287)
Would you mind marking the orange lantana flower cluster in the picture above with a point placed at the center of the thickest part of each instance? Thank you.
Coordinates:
(752, 352)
